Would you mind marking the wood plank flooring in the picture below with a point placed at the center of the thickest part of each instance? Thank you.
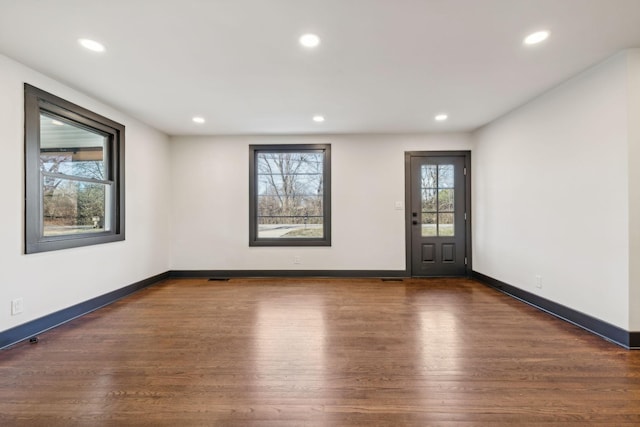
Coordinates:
(319, 352)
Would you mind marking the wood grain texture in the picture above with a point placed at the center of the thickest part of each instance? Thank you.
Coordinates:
(319, 352)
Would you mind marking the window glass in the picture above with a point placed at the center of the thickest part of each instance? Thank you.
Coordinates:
(289, 195)
(75, 193)
(438, 200)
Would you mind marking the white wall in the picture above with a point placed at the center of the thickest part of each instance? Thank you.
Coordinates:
(634, 187)
(550, 195)
(55, 280)
(210, 218)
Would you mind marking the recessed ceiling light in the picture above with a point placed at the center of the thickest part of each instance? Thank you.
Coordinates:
(91, 45)
(318, 119)
(57, 123)
(198, 120)
(536, 37)
(309, 40)
(441, 117)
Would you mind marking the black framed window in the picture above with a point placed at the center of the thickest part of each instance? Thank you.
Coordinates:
(74, 175)
(290, 195)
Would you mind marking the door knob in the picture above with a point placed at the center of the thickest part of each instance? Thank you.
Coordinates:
(415, 222)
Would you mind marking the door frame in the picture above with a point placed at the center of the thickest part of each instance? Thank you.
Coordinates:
(407, 202)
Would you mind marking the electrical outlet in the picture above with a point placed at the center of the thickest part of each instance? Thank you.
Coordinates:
(297, 260)
(538, 281)
(17, 306)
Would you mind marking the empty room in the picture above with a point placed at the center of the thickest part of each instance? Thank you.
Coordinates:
(320, 212)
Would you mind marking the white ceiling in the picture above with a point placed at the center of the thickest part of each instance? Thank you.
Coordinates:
(384, 66)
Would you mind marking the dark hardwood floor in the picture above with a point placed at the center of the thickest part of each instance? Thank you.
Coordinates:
(319, 352)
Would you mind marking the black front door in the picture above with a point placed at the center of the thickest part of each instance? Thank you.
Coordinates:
(438, 215)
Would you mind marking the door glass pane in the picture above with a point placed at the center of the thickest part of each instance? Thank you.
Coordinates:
(445, 200)
(446, 195)
(74, 207)
(70, 150)
(429, 224)
(429, 200)
(429, 176)
(445, 224)
(438, 200)
(445, 176)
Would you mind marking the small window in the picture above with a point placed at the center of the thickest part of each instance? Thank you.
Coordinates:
(74, 175)
(290, 195)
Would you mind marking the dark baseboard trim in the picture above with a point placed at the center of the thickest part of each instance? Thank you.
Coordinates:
(30, 329)
(634, 340)
(288, 273)
(626, 339)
